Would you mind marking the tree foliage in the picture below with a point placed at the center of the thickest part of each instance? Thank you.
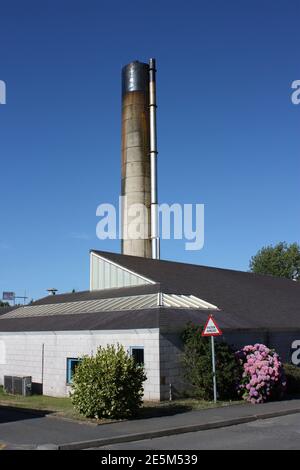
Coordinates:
(108, 384)
(292, 374)
(197, 362)
(281, 260)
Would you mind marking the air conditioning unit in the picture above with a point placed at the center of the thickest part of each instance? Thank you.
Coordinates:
(17, 385)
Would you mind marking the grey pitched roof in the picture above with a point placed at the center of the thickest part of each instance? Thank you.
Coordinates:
(85, 321)
(98, 294)
(247, 301)
(168, 320)
(252, 299)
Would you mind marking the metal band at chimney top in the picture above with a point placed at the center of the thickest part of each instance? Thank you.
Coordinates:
(153, 162)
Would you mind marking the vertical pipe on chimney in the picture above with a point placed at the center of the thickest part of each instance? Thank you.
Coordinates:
(153, 162)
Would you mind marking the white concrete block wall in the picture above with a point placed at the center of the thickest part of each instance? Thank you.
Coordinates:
(22, 355)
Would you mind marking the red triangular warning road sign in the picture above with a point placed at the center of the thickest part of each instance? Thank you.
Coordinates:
(211, 328)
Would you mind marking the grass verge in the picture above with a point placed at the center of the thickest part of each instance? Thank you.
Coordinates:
(62, 407)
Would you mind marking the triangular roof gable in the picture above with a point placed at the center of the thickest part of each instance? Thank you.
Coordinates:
(107, 274)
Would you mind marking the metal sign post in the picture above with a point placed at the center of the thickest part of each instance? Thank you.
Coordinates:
(211, 329)
(212, 338)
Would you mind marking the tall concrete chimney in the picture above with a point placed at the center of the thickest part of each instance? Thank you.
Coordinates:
(136, 184)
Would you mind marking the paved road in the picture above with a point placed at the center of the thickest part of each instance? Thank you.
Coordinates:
(25, 430)
(269, 434)
(20, 429)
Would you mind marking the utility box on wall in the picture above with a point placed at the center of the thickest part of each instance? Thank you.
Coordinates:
(16, 385)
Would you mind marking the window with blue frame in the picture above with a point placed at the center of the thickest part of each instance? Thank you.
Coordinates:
(137, 352)
(72, 363)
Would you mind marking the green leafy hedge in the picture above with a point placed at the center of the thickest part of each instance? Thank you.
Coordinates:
(108, 384)
(292, 374)
(197, 363)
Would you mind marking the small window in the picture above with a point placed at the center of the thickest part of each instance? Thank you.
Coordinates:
(137, 352)
(71, 367)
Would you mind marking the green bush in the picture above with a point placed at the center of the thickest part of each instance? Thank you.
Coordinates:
(108, 384)
(292, 374)
(197, 362)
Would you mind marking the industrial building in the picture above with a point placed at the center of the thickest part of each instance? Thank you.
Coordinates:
(144, 304)
(138, 300)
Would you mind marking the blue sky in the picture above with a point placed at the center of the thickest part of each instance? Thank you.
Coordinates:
(228, 133)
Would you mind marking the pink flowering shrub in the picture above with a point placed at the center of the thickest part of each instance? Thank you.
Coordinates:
(262, 374)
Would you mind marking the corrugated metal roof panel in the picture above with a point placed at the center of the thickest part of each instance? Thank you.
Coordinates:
(186, 301)
(89, 306)
(134, 302)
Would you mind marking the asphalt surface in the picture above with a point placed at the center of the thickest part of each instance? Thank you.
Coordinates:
(270, 434)
(26, 430)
